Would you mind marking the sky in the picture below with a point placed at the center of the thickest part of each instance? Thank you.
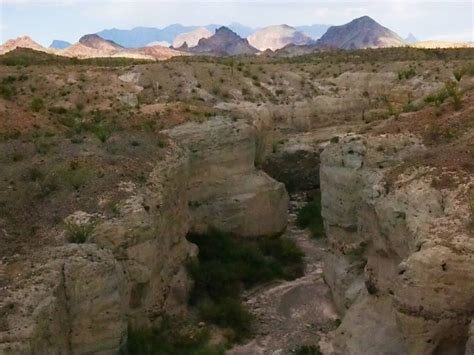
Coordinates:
(45, 20)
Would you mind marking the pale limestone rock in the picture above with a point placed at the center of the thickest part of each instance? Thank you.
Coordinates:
(406, 240)
(75, 302)
(226, 191)
(148, 237)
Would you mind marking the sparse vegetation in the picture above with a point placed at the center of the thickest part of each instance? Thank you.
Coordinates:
(309, 216)
(227, 265)
(308, 350)
(173, 336)
(78, 233)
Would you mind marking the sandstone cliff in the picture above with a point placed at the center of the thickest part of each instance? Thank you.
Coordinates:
(226, 191)
(400, 267)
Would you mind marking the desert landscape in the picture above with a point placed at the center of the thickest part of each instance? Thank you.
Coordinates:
(226, 190)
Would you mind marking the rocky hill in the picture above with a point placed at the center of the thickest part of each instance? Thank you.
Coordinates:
(362, 32)
(191, 38)
(97, 42)
(21, 42)
(276, 37)
(58, 44)
(224, 42)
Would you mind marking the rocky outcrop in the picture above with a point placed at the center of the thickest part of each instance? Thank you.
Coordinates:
(148, 237)
(226, 191)
(71, 299)
(224, 42)
(401, 249)
(80, 298)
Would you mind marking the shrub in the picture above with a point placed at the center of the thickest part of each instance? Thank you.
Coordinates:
(78, 233)
(309, 216)
(406, 74)
(171, 337)
(36, 104)
(308, 350)
(227, 265)
(7, 91)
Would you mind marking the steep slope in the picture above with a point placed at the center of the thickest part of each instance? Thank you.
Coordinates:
(21, 42)
(58, 44)
(191, 38)
(362, 32)
(276, 37)
(97, 42)
(224, 42)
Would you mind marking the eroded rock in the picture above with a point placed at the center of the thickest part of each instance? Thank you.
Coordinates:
(407, 241)
(226, 191)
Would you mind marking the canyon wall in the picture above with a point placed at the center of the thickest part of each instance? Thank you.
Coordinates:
(130, 271)
(225, 189)
(401, 249)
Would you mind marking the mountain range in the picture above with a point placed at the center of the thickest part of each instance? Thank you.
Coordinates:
(280, 40)
(141, 36)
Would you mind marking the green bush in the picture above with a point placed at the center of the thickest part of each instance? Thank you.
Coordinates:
(227, 265)
(309, 216)
(308, 350)
(7, 91)
(406, 74)
(78, 233)
(36, 104)
(171, 337)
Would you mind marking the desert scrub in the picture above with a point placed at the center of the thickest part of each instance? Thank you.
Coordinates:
(309, 216)
(36, 104)
(78, 233)
(308, 350)
(172, 336)
(227, 265)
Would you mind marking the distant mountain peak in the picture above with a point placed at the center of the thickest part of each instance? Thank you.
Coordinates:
(276, 37)
(224, 42)
(226, 30)
(362, 32)
(21, 42)
(59, 44)
(411, 38)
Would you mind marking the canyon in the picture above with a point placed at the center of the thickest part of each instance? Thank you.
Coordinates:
(108, 174)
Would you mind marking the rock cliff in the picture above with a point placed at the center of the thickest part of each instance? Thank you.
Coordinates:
(400, 267)
(80, 298)
(226, 191)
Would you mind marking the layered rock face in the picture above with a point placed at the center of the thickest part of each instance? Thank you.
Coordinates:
(226, 191)
(80, 298)
(148, 237)
(400, 267)
(73, 299)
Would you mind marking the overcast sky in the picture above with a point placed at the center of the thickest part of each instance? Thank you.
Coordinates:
(45, 20)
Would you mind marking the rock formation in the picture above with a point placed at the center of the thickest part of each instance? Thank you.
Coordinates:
(97, 42)
(400, 267)
(21, 42)
(276, 37)
(191, 38)
(224, 42)
(80, 298)
(226, 191)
